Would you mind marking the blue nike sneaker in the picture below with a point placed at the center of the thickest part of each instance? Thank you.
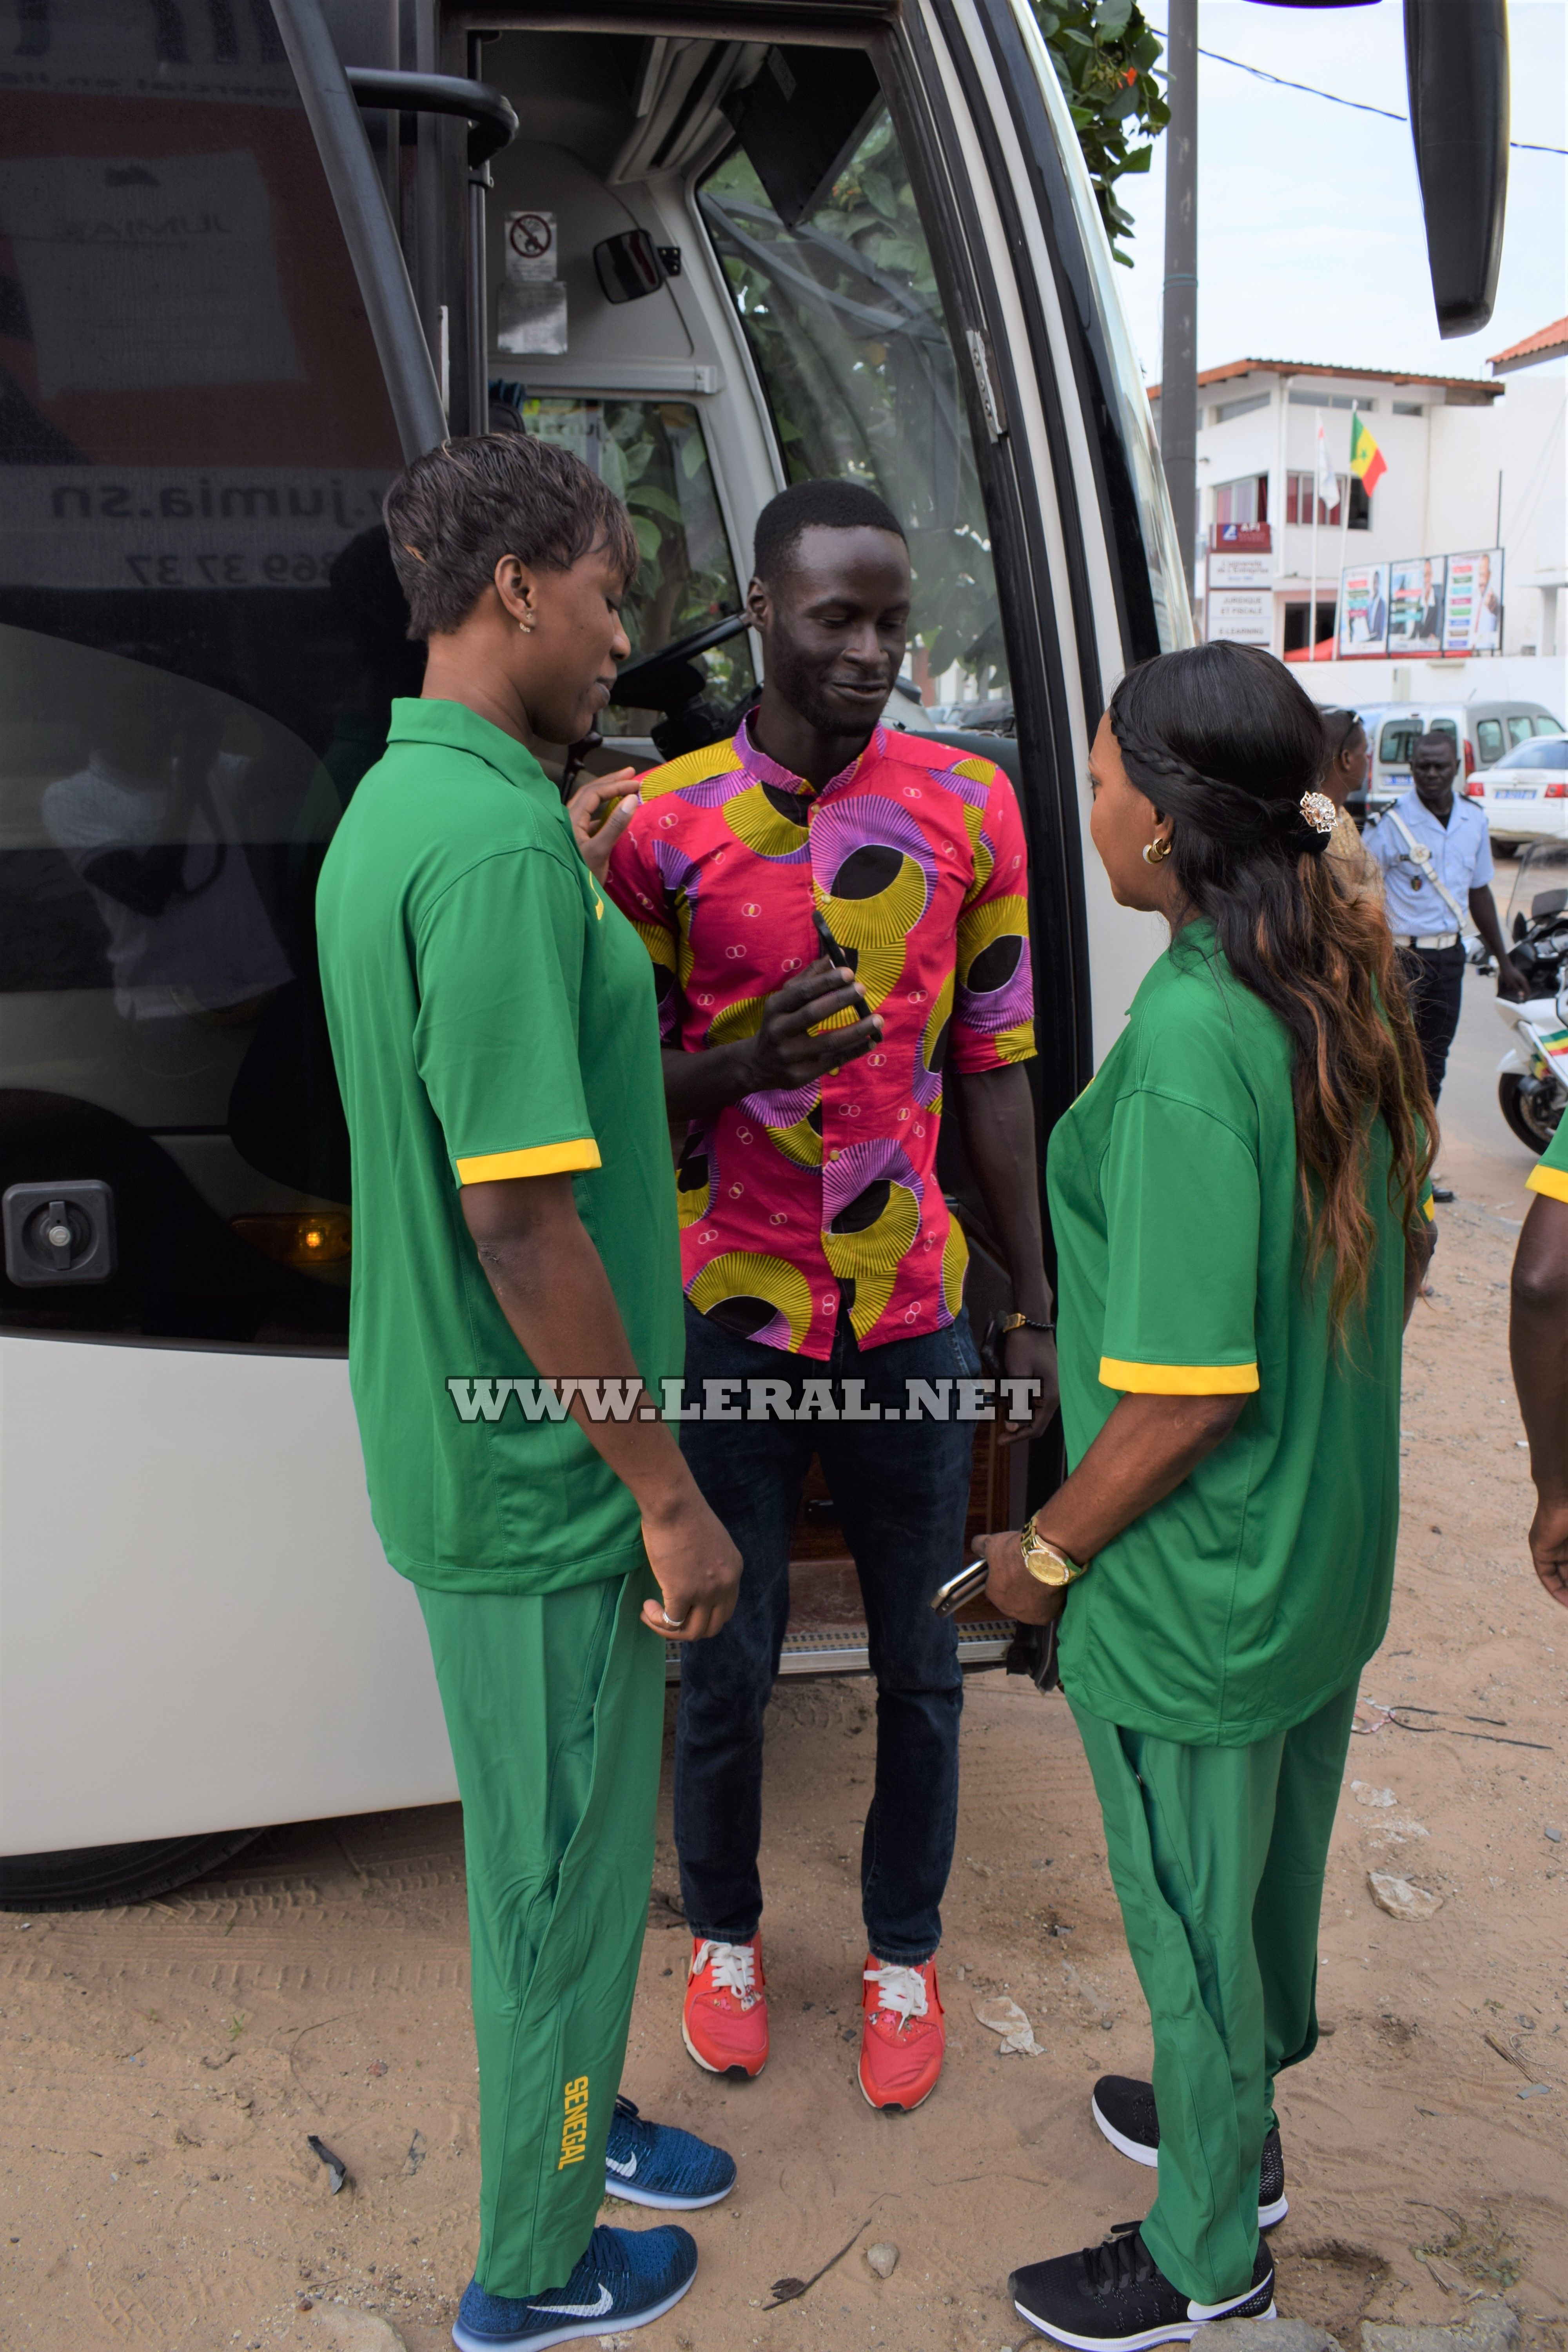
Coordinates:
(654, 2164)
(627, 2278)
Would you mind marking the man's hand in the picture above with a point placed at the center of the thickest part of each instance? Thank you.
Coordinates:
(1032, 1355)
(1510, 982)
(1549, 1547)
(1008, 1584)
(783, 1054)
(697, 1567)
(600, 810)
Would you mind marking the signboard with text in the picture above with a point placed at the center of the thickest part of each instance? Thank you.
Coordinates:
(1472, 608)
(1239, 616)
(1228, 571)
(1415, 606)
(1362, 620)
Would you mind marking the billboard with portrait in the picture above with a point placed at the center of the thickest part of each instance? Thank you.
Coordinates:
(1415, 606)
(1363, 609)
(1472, 614)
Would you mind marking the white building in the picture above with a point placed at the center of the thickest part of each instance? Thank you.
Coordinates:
(1471, 464)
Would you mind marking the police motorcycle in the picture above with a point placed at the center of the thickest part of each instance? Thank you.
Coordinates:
(1532, 1075)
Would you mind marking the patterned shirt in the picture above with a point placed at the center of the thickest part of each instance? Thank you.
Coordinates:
(791, 1200)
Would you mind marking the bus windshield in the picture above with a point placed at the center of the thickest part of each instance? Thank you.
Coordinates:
(200, 634)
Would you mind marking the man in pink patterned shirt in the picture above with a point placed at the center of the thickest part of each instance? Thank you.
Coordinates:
(838, 914)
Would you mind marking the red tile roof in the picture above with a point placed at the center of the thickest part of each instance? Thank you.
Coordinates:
(1547, 343)
(1473, 384)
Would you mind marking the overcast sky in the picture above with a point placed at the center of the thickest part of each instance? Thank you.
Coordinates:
(1311, 244)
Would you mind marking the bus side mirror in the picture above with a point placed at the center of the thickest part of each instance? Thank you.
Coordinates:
(1456, 63)
(1455, 66)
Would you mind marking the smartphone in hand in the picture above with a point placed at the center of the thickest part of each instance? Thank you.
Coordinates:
(970, 1581)
(828, 944)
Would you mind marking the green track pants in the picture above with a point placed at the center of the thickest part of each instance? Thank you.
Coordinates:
(554, 1705)
(1217, 1858)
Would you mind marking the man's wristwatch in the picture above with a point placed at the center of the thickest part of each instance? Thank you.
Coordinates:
(1002, 1324)
(1046, 1562)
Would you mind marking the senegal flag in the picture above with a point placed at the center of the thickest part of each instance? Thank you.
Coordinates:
(1366, 459)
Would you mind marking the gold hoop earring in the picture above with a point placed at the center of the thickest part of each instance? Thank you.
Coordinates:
(1155, 852)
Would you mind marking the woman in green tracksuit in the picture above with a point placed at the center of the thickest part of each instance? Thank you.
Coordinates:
(1239, 1204)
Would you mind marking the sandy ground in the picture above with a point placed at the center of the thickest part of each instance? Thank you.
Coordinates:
(162, 2066)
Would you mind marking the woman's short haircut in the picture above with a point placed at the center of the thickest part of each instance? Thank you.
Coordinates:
(808, 506)
(456, 511)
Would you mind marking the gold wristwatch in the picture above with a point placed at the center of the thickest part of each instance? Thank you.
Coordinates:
(1046, 1562)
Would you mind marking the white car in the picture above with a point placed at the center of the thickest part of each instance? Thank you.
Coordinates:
(1524, 795)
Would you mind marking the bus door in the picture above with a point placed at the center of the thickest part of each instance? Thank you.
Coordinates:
(849, 241)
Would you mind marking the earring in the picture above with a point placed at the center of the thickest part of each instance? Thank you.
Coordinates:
(527, 627)
(1155, 852)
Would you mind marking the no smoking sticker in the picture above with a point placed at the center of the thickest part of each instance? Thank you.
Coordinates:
(530, 248)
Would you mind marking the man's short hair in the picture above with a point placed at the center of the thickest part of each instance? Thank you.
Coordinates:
(457, 510)
(806, 505)
(1444, 742)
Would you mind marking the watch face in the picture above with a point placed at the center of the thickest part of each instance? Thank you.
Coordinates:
(1045, 1566)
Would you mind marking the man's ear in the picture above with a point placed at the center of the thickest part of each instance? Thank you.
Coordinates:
(757, 603)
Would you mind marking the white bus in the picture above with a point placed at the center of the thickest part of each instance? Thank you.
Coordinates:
(252, 258)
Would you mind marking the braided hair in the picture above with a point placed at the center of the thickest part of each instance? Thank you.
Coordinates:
(1221, 739)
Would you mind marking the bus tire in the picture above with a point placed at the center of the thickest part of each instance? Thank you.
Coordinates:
(101, 1877)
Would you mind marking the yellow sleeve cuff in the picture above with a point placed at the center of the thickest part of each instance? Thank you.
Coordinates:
(544, 1159)
(1553, 1182)
(1177, 1380)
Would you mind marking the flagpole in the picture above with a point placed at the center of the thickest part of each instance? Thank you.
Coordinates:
(1345, 538)
(1317, 502)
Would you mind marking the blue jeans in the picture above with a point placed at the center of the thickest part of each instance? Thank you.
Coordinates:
(902, 1493)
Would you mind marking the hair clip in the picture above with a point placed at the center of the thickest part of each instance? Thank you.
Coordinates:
(1320, 812)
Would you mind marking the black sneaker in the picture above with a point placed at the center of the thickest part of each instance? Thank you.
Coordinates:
(1126, 2114)
(1114, 2294)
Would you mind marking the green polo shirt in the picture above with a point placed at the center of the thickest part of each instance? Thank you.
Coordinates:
(1550, 1174)
(1256, 1591)
(492, 1016)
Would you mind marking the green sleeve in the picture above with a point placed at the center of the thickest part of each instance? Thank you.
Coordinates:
(1182, 1203)
(1550, 1174)
(499, 961)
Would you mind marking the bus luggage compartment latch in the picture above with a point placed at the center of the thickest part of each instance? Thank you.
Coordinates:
(59, 1232)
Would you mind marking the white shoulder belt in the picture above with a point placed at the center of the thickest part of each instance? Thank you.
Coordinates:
(1421, 857)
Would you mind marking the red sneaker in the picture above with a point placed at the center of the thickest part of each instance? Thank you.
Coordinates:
(724, 2019)
(903, 2041)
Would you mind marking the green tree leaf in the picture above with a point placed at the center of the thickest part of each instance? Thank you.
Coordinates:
(1104, 51)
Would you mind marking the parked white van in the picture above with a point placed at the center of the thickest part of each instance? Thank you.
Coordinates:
(1482, 731)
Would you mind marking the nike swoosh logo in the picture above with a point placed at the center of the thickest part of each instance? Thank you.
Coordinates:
(578, 2310)
(627, 2171)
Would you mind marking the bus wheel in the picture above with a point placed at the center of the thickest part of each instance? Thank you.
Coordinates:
(100, 1877)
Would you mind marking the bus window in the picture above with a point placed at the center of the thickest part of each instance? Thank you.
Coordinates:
(652, 453)
(845, 324)
(200, 634)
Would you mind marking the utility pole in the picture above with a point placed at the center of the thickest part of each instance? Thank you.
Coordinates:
(1179, 336)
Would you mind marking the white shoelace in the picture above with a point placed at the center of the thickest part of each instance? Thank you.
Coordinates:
(734, 1968)
(900, 1990)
